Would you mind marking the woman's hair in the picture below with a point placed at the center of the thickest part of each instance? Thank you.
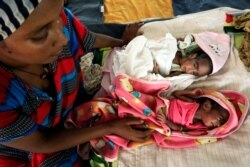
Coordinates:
(201, 55)
(215, 106)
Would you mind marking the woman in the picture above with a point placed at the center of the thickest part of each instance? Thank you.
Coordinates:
(40, 48)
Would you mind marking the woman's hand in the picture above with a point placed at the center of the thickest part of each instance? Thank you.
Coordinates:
(187, 95)
(131, 31)
(123, 128)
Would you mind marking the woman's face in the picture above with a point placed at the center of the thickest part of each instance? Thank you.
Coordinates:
(39, 40)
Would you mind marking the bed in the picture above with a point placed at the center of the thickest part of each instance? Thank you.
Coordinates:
(233, 151)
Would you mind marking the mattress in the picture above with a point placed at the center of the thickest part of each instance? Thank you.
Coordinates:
(231, 152)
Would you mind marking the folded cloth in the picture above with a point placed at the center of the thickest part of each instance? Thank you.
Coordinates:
(242, 22)
(120, 11)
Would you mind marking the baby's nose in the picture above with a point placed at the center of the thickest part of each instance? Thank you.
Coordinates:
(216, 123)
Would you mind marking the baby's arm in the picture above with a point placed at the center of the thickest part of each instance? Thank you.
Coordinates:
(156, 71)
(162, 118)
(187, 95)
(173, 126)
(175, 73)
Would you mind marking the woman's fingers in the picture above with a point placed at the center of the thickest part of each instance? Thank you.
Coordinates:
(131, 31)
(141, 136)
(133, 121)
(135, 134)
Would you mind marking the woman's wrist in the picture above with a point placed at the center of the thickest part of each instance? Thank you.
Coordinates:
(122, 42)
(108, 128)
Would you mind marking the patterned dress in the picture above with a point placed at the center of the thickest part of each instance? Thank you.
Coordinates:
(25, 109)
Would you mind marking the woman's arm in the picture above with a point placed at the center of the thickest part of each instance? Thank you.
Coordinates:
(130, 32)
(58, 140)
(103, 41)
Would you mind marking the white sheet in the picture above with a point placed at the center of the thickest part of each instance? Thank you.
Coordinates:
(233, 151)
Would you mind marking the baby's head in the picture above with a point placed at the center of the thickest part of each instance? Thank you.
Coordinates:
(198, 64)
(216, 46)
(211, 113)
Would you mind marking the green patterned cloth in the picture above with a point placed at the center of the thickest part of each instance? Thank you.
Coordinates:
(229, 28)
(100, 55)
(97, 160)
(91, 66)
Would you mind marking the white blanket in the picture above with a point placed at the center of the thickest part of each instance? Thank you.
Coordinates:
(233, 151)
(137, 59)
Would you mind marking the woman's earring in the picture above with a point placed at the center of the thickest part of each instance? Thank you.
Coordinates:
(58, 21)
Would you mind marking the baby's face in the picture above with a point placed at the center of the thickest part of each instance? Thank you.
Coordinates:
(214, 118)
(195, 67)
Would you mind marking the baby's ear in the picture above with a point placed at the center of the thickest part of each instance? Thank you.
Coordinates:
(197, 91)
(207, 105)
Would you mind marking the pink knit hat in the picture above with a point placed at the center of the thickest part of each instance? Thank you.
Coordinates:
(216, 45)
(235, 103)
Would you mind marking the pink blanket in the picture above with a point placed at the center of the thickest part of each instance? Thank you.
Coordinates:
(139, 98)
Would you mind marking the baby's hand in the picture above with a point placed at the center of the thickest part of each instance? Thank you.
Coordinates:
(180, 39)
(164, 94)
(160, 116)
(155, 68)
